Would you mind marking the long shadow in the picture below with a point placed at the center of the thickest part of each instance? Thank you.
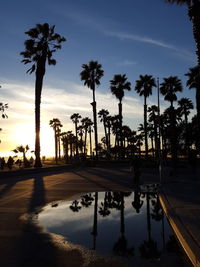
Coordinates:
(91, 180)
(6, 188)
(38, 194)
(35, 248)
(112, 177)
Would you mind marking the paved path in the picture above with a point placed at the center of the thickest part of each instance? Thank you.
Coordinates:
(180, 197)
(25, 245)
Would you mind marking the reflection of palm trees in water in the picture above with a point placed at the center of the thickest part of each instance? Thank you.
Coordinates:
(120, 247)
(104, 209)
(75, 207)
(86, 200)
(94, 230)
(137, 203)
(148, 249)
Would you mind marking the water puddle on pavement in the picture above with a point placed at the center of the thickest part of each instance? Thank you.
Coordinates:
(129, 225)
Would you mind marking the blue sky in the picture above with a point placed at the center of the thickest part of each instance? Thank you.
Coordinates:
(131, 37)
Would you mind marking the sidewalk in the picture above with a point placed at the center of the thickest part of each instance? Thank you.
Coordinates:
(180, 198)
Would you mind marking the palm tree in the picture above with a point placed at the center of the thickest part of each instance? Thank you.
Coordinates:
(153, 117)
(91, 75)
(169, 88)
(194, 82)
(75, 119)
(23, 150)
(117, 87)
(103, 114)
(194, 16)
(185, 104)
(86, 123)
(39, 49)
(56, 124)
(144, 88)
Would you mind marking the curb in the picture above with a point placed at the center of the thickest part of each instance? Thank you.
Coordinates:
(186, 240)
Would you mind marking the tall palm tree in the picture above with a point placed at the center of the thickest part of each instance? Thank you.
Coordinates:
(153, 117)
(75, 119)
(86, 123)
(56, 124)
(185, 105)
(194, 16)
(170, 87)
(39, 49)
(103, 114)
(91, 75)
(144, 88)
(194, 82)
(117, 87)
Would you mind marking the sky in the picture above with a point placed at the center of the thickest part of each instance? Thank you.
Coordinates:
(132, 37)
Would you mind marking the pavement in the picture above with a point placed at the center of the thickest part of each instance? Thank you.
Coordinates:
(180, 199)
(23, 243)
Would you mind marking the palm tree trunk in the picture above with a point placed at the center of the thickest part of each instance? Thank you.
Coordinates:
(121, 154)
(194, 15)
(76, 138)
(85, 141)
(56, 145)
(198, 115)
(94, 231)
(94, 105)
(38, 90)
(90, 142)
(145, 127)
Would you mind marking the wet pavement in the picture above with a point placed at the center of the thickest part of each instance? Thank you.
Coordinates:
(23, 243)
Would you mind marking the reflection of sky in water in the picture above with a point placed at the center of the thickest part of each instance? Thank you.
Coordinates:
(77, 226)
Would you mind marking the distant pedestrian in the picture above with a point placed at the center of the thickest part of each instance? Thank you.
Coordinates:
(10, 162)
(2, 163)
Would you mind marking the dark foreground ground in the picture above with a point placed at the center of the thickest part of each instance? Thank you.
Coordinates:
(23, 243)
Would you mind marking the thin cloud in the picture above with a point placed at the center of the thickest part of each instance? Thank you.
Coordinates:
(133, 37)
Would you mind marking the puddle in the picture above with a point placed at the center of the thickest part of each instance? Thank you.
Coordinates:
(129, 225)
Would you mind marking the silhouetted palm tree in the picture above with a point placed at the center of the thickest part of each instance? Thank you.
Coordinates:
(103, 114)
(144, 88)
(169, 88)
(91, 75)
(194, 16)
(55, 124)
(23, 150)
(185, 105)
(117, 87)
(153, 117)
(194, 82)
(86, 123)
(39, 49)
(75, 119)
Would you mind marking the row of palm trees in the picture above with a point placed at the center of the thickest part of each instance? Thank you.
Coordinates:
(117, 201)
(43, 42)
(171, 126)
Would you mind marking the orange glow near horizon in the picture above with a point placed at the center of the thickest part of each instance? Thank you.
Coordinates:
(24, 134)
